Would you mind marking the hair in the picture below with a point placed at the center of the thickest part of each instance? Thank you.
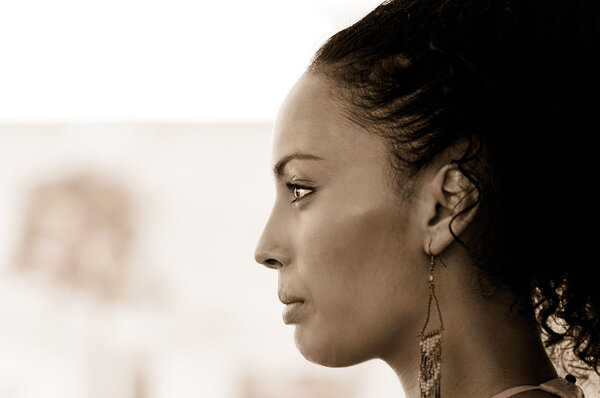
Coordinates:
(518, 84)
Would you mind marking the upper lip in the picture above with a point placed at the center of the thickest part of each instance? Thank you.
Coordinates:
(287, 298)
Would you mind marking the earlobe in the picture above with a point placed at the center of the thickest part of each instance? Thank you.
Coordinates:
(456, 200)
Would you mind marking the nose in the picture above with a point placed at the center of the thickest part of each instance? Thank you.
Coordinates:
(263, 259)
(268, 254)
(272, 249)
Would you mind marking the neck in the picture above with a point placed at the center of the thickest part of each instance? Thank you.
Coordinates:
(486, 349)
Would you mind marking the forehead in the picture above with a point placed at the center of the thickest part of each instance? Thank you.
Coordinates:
(311, 120)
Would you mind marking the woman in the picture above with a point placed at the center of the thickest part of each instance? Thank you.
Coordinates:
(435, 178)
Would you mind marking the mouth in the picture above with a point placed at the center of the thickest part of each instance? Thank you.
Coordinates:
(292, 312)
(293, 307)
(289, 299)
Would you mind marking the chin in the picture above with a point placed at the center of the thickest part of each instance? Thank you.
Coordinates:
(332, 352)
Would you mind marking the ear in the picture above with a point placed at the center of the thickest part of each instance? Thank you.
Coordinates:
(453, 201)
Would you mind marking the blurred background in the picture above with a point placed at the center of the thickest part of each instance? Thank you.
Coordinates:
(134, 184)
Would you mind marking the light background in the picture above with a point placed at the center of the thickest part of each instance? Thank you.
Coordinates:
(170, 105)
(177, 60)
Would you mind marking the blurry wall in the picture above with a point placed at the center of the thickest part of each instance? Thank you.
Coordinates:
(127, 271)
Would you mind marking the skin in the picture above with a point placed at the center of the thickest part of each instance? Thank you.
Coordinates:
(357, 254)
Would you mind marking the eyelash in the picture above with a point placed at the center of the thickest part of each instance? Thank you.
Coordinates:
(293, 187)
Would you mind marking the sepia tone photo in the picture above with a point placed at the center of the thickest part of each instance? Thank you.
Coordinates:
(274, 199)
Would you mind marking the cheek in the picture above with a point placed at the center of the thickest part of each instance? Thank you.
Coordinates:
(357, 250)
(358, 266)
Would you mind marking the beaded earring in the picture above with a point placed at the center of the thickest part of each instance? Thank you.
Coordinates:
(430, 375)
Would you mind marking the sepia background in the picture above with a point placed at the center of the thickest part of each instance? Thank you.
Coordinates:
(134, 184)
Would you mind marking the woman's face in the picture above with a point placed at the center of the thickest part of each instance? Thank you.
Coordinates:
(347, 249)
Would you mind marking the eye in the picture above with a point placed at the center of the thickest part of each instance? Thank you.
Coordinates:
(299, 191)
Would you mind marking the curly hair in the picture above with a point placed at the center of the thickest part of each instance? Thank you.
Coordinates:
(519, 82)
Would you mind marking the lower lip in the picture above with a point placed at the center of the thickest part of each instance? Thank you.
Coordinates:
(291, 312)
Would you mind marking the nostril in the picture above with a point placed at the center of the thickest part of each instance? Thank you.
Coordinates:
(271, 263)
(270, 259)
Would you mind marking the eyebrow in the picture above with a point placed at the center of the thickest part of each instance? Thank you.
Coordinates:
(280, 165)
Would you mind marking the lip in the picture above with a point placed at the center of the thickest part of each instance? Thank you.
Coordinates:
(292, 311)
(287, 298)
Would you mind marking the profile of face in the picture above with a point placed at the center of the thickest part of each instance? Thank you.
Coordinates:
(347, 248)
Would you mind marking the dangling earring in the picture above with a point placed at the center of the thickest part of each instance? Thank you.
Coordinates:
(430, 376)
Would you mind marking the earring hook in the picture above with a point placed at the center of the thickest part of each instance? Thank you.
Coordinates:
(432, 257)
